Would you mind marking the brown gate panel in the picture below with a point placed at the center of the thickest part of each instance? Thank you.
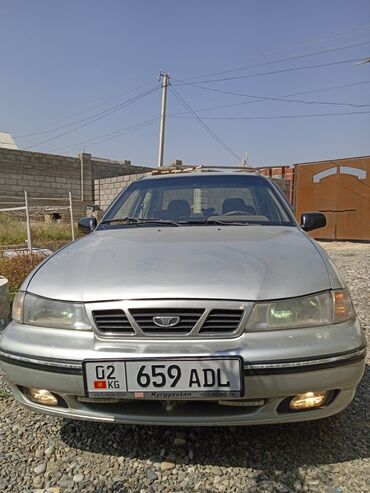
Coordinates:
(341, 190)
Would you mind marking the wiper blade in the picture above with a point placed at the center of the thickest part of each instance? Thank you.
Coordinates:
(213, 221)
(202, 222)
(118, 220)
(139, 222)
(218, 221)
(158, 221)
(134, 220)
(227, 223)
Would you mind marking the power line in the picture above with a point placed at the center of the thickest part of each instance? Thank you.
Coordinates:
(108, 110)
(338, 34)
(277, 98)
(280, 71)
(279, 60)
(109, 136)
(108, 100)
(310, 91)
(99, 116)
(82, 111)
(278, 117)
(204, 125)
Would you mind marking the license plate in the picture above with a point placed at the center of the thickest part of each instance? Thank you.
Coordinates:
(180, 378)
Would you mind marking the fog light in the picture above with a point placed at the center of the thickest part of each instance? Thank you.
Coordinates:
(307, 400)
(42, 396)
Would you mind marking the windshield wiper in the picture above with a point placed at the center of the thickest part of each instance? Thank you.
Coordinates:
(134, 220)
(219, 221)
(215, 221)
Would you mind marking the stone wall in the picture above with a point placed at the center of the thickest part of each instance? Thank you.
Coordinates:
(40, 174)
(49, 175)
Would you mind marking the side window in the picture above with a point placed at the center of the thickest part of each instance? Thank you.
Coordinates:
(129, 205)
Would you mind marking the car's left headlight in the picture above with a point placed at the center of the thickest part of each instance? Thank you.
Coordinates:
(44, 312)
(329, 307)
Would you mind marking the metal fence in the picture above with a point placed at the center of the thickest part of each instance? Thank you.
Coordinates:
(23, 205)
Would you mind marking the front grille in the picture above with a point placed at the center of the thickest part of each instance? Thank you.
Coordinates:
(193, 318)
(222, 321)
(188, 318)
(112, 321)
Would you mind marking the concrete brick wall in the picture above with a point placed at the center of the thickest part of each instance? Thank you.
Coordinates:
(49, 175)
(41, 174)
(107, 189)
(105, 168)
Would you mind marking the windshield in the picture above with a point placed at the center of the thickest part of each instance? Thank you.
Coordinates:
(199, 199)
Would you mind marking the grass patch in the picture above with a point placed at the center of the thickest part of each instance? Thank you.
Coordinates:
(13, 234)
(3, 393)
(13, 231)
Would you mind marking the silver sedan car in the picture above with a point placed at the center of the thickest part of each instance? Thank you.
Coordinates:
(197, 300)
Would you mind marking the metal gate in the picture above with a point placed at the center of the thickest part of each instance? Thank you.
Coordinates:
(341, 190)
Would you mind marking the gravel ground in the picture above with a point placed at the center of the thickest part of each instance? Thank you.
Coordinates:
(42, 454)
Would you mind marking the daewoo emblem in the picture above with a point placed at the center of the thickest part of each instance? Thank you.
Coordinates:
(166, 321)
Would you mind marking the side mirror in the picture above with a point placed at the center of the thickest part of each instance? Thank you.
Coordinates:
(312, 220)
(87, 224)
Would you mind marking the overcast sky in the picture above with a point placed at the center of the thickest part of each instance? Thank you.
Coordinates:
(83, 75)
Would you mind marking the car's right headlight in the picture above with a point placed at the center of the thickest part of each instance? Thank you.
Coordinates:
(44, 312)
(329, 307)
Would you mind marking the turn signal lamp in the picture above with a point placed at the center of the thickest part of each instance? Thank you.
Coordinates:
(343, 309)
(308, 400)
(43, 397)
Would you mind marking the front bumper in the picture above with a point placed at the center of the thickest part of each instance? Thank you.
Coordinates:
(277, 366)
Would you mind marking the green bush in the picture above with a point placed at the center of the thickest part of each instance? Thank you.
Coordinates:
(13, 232)
(17, 268)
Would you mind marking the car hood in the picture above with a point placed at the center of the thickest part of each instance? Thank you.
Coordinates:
(214, 262)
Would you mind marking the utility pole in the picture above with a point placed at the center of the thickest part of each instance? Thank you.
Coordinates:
(165, 82)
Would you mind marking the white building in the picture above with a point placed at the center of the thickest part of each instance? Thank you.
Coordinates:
(7, 141)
